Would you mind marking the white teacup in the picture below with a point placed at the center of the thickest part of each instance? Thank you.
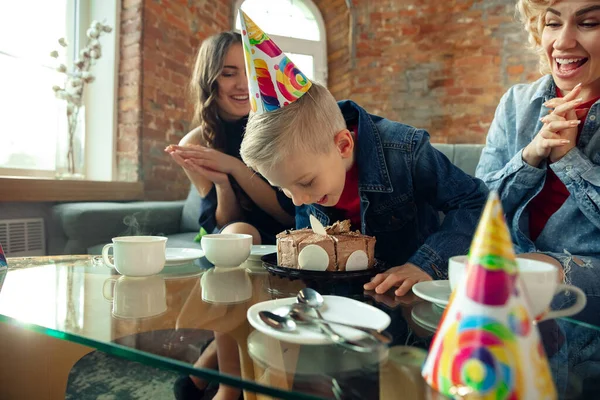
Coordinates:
(226, 249)
(541, 283)
(226, 285)
(137, 255)
(136, 297)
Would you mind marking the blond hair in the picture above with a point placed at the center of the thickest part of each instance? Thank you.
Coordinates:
(309, 124)
(533, 14)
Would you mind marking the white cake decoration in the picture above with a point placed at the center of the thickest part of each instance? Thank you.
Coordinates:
(313, 257)
(357, 261)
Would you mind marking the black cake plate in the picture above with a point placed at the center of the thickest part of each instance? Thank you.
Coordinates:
(320, 279)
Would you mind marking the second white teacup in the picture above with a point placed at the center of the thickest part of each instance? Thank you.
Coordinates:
(541, 283)
(137, 255)
(227, 250)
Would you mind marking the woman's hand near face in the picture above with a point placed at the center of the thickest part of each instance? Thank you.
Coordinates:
(559, 132)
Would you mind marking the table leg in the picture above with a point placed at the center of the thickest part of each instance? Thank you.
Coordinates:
(35, 366)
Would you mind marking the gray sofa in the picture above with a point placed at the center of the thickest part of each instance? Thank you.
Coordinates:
(83, 228)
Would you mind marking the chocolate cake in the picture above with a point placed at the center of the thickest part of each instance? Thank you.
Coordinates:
(340, 250)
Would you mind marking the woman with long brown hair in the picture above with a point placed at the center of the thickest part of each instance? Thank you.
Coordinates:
(234, 198)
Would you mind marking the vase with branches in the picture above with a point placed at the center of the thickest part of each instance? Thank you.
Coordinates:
(72, 93)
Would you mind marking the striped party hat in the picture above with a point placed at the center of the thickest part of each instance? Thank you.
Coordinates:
(273, 79)
(486, 345)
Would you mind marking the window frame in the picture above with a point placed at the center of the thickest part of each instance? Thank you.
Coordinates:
(316, 49)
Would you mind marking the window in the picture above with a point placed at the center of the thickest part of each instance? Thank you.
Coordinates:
(29, 110)
(30, 114)
(297, 27)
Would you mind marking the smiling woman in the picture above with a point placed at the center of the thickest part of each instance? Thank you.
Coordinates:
(570, 40)
(234, 198)
(543, 148)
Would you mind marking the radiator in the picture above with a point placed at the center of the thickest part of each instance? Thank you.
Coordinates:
(23, 237)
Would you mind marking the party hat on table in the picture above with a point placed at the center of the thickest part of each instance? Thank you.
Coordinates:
(273, 79)
(486, 346)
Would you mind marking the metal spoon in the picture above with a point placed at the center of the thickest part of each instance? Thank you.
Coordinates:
(299, 313)
(277, 321)
(313, 299)
(287, 324)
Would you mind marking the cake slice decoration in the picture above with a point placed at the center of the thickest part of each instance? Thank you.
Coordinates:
(313, 257)
(357, 261)
(316, 226)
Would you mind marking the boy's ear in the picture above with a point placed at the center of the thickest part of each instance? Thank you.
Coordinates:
(344, 142)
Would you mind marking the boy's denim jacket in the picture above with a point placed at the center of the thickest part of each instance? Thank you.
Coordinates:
(575, 227)
(403, 183)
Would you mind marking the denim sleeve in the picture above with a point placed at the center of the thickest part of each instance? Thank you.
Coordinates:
(448, 189)
(208, 209)
(302, 217)
(506, 173)
(582, 178)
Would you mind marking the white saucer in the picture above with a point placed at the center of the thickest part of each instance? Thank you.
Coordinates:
(335, 308)
(179, 256)
(427, 315)
(437, 292)
(259, 250)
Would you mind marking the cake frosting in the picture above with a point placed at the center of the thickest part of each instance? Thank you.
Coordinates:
(341, 250)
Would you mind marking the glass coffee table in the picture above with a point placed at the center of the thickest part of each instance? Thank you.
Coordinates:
(165, 321)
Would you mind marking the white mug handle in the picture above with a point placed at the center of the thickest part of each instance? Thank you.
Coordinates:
(109, 294)
(105, 258)
(579, 305)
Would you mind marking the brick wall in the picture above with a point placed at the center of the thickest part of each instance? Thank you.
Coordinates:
(159, 41)
(441, 66)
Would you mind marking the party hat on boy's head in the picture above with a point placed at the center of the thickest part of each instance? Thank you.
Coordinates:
(273, 79)
(486, 345)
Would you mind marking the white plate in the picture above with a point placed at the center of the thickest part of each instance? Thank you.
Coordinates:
(259, 250)
(427, 315)
(335, 308)
(179, 256)
(437, 292)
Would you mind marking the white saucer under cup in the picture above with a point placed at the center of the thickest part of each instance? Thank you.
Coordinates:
(437, 292)
(180, 256)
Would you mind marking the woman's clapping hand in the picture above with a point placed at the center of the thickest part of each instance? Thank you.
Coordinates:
(559, 131)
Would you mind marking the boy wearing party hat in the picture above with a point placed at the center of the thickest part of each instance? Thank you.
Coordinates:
(337, 162)
(486, 344)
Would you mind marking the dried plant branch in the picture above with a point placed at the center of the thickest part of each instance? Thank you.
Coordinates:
(76, 79)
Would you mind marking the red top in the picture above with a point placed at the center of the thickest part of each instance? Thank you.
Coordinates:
(349, 203)
(554, 193)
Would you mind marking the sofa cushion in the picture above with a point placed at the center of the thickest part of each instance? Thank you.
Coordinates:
(77, 226)
(176, 240)
(464, 156)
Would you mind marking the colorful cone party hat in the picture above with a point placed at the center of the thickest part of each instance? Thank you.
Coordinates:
(486, 346)
(273, 79)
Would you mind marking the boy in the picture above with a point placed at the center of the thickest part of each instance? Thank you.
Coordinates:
(336, 161)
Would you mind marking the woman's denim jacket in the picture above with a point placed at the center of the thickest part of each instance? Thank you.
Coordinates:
(403, 183)
(575, 227)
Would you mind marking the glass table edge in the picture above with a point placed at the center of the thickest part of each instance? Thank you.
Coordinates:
(153, 360)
